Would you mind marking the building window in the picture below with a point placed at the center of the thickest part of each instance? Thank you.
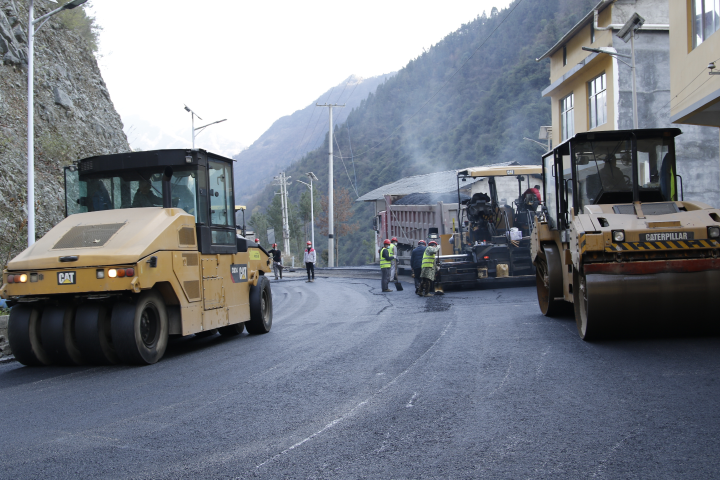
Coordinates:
(564, 55)
(592, 33)
(567, 117)
(706, 19)
(598, 101)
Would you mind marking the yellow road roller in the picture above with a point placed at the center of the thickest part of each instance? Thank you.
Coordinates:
(148, 249)
(616, 238)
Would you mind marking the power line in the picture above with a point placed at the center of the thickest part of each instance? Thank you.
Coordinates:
(446, 81)
(346, 170)
(686, 86)
(347, 125)
(314, 128)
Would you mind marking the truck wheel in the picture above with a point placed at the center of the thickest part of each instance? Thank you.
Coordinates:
(140, 329)
(24, 335)
(57, 331)
(548, 278)
(92, 332)
(260, 308)
(232, 330)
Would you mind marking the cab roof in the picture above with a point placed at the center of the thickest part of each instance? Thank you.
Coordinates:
(148, 159)
(501, 171)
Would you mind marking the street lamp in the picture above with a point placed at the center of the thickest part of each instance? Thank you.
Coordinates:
(312, 177)
(31, 107)
(198, 129)
(627, 32)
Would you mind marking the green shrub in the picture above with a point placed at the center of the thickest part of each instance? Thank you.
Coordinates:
(81, 23)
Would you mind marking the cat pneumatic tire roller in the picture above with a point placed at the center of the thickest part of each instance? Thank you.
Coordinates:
(148, 250)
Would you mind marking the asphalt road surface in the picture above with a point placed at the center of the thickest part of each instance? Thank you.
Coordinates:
(353, 383)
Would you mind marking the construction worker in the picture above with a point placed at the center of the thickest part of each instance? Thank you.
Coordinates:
(309, 258)
(393, 252)
(386, 259)
(416, 258)
(427, 275)
(277, 260)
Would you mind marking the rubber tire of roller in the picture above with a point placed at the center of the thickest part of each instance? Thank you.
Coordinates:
(589, 328)
(261, 311)
(232, 330)
(550, 307)
(126, 328)
(92, 333)
(57, 332)
(24, 335)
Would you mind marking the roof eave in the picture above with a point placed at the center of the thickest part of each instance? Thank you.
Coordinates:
(587, 18)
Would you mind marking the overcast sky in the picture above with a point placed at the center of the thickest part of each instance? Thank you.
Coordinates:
(252, 61)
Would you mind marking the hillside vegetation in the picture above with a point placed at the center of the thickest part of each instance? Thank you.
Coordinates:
(469, 100)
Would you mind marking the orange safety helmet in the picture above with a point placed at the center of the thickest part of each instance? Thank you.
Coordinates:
(433, 242)
(274, 245)
(421, 242)
(386, 242)
(394, 239)
(309, 242)
(257, 240)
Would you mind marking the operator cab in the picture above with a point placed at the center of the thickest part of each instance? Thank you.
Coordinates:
(611, 168)
(196, 181)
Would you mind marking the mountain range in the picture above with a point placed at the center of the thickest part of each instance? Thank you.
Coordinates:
(292, 136)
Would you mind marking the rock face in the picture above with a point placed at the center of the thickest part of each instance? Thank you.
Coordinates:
(74, 118)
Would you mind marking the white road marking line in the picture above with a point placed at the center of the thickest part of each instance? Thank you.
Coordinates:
(364, 402)
(411, 403)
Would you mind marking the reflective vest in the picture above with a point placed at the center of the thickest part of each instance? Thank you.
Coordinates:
(393, 250)
(384, 263)
(428, 260)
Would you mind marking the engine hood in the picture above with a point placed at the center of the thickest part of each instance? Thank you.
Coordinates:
(110, 237)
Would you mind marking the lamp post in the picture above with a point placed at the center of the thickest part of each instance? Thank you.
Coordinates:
(627, 32)
(312, 177)
(198, 129)
(31, 107)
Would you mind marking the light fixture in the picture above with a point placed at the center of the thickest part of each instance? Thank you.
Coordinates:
(630, 27)
(711, 67)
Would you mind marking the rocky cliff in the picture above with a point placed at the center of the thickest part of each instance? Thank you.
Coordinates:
(74, 118)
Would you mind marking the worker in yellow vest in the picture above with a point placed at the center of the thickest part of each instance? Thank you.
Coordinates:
(386, 259)
(427, 275)
(394, 253)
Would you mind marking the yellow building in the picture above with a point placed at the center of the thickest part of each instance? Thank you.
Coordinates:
(593, 91)
(694, 43)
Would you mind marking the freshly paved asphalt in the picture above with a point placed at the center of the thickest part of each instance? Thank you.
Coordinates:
(353, 383)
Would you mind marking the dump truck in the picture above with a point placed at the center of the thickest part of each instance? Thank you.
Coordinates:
(616, 238)
(492, 243)
(411, 218)
(148, 249)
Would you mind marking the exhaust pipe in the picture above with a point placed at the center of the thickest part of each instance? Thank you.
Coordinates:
(167, 188)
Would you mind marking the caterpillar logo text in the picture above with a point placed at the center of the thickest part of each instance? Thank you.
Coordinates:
(66, 278)
(238, 273)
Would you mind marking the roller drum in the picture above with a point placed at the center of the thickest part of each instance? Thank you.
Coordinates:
(620, 304)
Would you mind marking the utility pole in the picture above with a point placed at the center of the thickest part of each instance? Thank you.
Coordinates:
(282, 181)
(198, 129)
(32, 30)
(312, 177)
(331, 218)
